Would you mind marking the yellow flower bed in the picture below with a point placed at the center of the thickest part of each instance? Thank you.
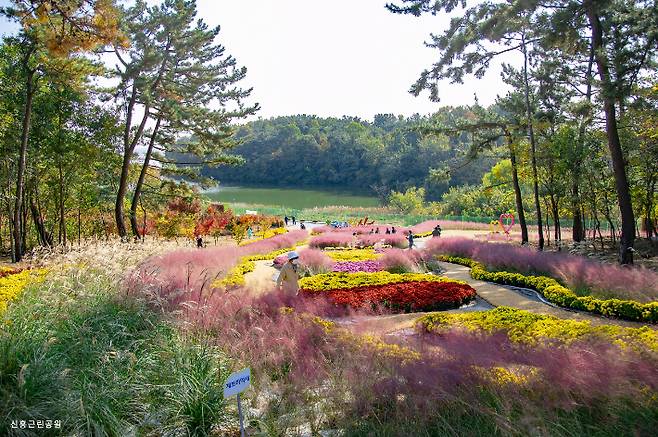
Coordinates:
(235, 277)
(353, 255)
(11, 286)
(339, 280)
(529, 328)
(263, 235)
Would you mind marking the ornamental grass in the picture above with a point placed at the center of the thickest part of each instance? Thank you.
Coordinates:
(310, 376)
(584, 276)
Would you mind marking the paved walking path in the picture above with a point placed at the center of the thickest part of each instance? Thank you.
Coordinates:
(501, 295)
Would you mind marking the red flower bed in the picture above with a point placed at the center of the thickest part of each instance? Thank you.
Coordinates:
(403, 297)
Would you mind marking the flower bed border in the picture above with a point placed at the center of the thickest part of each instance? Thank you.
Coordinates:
(560, 295)
(341, 280)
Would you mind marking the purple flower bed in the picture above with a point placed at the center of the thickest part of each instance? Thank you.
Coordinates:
(357, 266)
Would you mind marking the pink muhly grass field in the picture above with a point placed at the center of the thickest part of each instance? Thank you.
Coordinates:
(401, 260)
(577, 272)
(395, 240)
(331, 239)
(315, 260)
(197, 268)
(453, 364)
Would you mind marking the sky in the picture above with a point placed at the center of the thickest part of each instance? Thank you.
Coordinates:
(334, 57)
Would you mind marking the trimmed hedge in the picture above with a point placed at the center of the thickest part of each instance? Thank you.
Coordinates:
(560, 295)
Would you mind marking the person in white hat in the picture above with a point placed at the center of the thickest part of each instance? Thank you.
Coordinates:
(288, 279)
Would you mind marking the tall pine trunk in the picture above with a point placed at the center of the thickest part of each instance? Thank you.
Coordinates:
(533, 143)
(140, 182)
(578, 232)
(517, 190)
(18, 249)
(614, 144)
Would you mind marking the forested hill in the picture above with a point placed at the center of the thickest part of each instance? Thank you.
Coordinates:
(304, 150)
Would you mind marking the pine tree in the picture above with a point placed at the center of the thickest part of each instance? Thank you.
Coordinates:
(177, 74)
(623, 39)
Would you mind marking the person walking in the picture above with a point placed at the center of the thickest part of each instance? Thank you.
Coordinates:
(437, 231)
(410, 239)
(285, 219)
(393, 231)
(288, 280)
(294, 220)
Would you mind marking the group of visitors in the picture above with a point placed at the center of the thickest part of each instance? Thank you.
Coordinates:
(291, 219)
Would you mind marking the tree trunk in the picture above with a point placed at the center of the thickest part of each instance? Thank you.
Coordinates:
(578, 233)
(140, 182)
(62, 217)
(517, 190)
(533, 144)
(38, 224)
(129, 149)
(616, 154)
(18, 248)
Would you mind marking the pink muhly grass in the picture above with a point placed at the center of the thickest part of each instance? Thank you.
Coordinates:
(315, 261)
(401, 260)
(195, 269)
(395, 240)
(301, 356)
(448, 362)
(331, 239)
(577, 272)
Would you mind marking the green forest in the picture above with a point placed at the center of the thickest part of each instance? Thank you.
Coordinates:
(376, 157)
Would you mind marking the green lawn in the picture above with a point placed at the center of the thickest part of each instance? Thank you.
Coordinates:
(294, 199)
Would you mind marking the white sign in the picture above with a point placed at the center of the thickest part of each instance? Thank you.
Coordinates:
(250, 212)
(237, 382)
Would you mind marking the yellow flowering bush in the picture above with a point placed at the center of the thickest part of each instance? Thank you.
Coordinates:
(262, 235)
(353, 255)
(530, 328)
(340, 280)
(11, 286)
(235, 277)
(518, 375)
